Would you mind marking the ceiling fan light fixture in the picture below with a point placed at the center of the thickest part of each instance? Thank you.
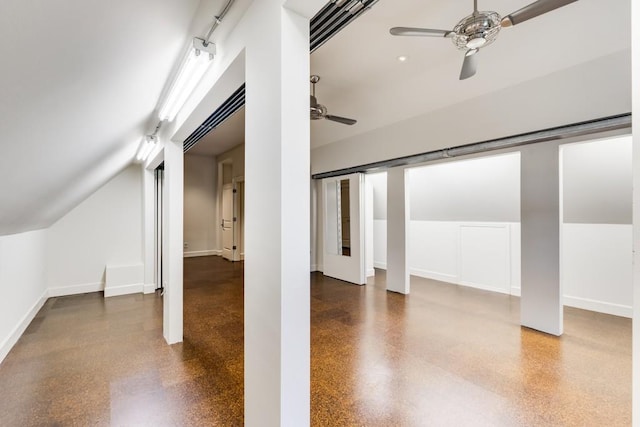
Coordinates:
(477, 30)
(476, 43)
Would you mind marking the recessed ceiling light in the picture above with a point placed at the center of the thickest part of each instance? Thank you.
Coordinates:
(402, 58)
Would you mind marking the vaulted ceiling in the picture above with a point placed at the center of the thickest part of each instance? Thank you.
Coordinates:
(78, 84)
(80, 80)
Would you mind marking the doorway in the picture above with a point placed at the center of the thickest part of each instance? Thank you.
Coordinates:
(227, 222)
(158, 216)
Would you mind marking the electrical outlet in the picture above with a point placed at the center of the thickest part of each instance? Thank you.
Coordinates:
(186, 245)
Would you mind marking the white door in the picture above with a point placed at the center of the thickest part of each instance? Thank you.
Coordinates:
(344, 250)
(227, 222)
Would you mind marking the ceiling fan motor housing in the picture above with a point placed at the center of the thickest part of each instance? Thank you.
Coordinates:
(477, 30)
(318, 111)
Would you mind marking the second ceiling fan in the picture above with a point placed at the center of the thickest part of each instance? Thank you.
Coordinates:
(480, 29)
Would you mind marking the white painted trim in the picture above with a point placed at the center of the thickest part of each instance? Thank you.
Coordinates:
(76, 289)
(17, 332)
(314, 267)
(482, 287)
(149, 288)
(320, 268)
(515, 291)
(193, 254)
(371, 272)
(241, 256)
(599, 306)
(434, 275)
(114, 291)
(380, 265)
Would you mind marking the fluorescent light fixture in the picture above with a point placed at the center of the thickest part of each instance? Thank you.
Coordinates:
(191, 71)
(146, 147)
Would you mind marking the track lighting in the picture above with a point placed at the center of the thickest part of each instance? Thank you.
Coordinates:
(192, 69)
(147, 145)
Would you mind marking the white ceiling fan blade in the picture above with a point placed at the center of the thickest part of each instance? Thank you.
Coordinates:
(533, 10)
(420, 32)
(343, 120)
(470, 64)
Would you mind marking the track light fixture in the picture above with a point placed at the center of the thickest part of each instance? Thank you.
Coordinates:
(147, 145)
(193, 67)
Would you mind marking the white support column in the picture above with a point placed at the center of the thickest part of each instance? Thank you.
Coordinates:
(541, 299)
(635, 68)
(172, 249)
(398, 223)
(277, 165)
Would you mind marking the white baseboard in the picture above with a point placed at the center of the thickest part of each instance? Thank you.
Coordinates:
(76, 289)
(193, 254)
(599, 306)
(17, 332)
(314, 267)
(380, 265)
(149, 288)
(516, 292)
(434, 275)
(371, 272)
(483, 287)
(241, 256)
(114, 291)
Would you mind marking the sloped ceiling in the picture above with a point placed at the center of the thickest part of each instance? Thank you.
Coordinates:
(80, 79)
(78, 85)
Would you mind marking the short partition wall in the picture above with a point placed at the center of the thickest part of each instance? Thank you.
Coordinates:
(486, 256)
(465, 224)
(476, 254)
(597, 267)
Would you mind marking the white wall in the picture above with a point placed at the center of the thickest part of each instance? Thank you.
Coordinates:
(596, 267)
(236, 157)
(200, 205)
(597, 181)
(378, 182)
(485, 189)
(465, 222)
(596, 231)
(23, 288)
(105, 229)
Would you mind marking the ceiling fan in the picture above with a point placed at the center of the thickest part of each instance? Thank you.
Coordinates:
(319, 111)
(480, 29)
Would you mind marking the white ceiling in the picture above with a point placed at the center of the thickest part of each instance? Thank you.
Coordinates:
(229, 134)
(361, 77)
(78, 85)
(80, 80)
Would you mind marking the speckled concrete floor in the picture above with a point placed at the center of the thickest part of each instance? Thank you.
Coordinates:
(444, 355)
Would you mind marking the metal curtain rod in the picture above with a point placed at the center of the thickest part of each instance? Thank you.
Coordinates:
(590, 127)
